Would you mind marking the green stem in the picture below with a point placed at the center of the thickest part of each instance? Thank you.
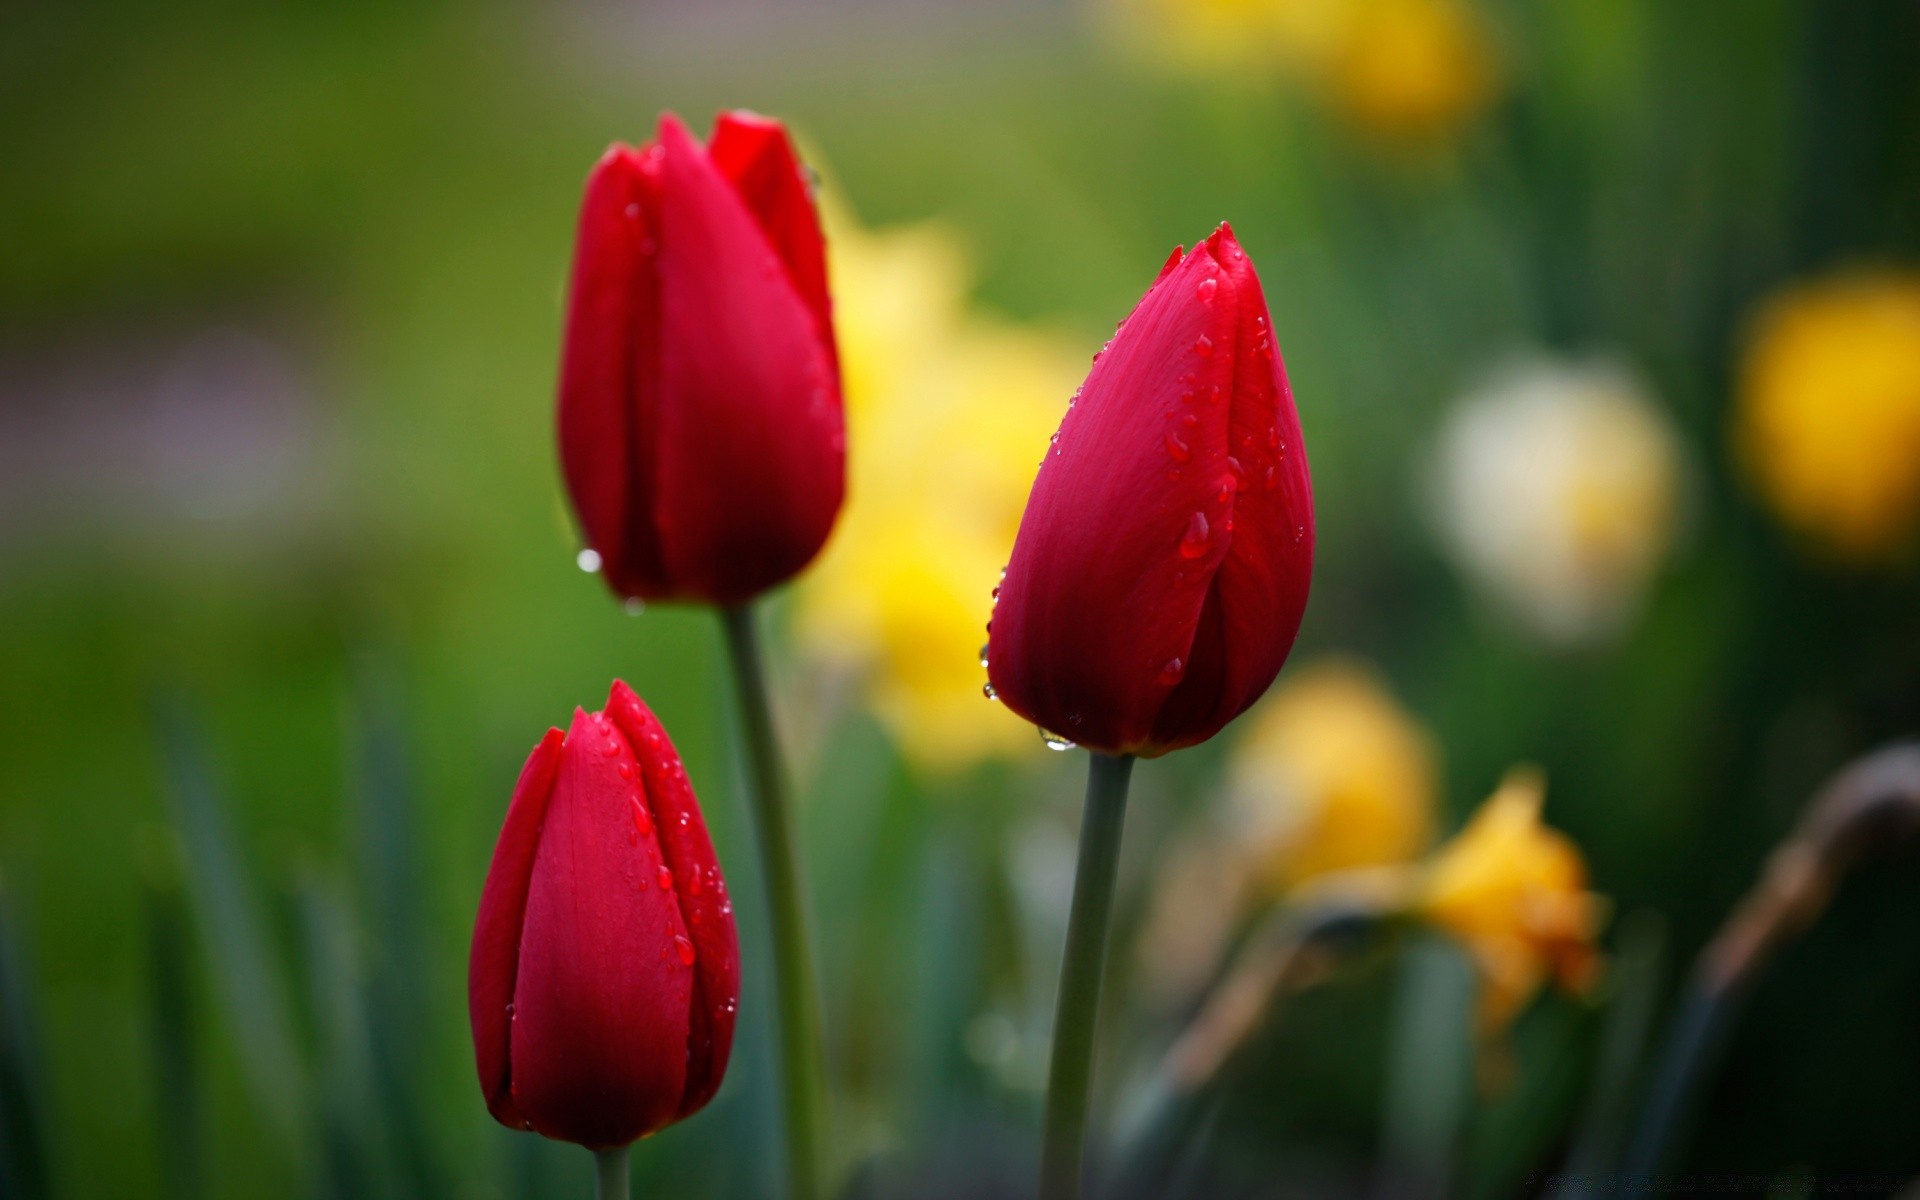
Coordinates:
(793, 969)
(1063, 1142)
(1692, 1051)
(610, 1174)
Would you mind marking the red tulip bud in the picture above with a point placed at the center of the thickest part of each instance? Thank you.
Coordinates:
(605, 971)
(701, 429)
(1161, 568)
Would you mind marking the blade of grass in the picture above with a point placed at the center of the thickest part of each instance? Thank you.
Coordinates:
(1429, 1073)
(390, 868)
(360, 1159)
(1634, 979)
(172, 1036)
(23, 1159)
(253, 994)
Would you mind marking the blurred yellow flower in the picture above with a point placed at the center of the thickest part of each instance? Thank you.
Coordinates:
(1513, 892)
(1394, 68)
(1332, 777)
(1413, 68)
(1558, 493)
(948, 413)
(1331, 774)
(1829, 411)
(1202, 34)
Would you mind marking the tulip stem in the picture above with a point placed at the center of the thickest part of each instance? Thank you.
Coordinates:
(799, 998)
(1063, 1141)
(610, 1174)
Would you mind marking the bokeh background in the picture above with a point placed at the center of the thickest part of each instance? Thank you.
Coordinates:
(1603, 322)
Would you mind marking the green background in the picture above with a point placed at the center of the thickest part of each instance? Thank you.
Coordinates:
(354, 674)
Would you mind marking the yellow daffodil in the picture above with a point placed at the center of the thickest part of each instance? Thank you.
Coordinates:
(1559, 488)
(1332, 774)
(1513, 893)
(1829, 411)
(948, 413)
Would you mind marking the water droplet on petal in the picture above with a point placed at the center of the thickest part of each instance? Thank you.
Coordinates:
(1173, 671)
(635, 606)
(983, 654)
(665, 877)
(1272, 478)
(694, 885)
(642, 820)
(684, 948)
(589, 560)
(1178, 450)
(1189, 420)
(1203, 347)
(987, 691)
(1206, 289)
(1194, 543)
(1054, 741)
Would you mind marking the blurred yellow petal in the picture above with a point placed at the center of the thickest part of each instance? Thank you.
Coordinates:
(1332, 774)
(1513, 892)
(948, 413)
(1829, 411)
(1414, 68)
(1238, 34)
(1401, 69)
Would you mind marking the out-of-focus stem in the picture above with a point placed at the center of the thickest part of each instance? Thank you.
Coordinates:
(1634, 979)
(1063, 1141)
(1873, 801)
(801, 1045)
(1288, 949)
(610, 1174)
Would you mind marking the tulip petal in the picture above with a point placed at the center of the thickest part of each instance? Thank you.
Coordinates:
(494, 963)
(609, 368)
(1259, 594)
(601, 1001)
(1127, 523)
(757, 155)
(748, 397)
(700, 890)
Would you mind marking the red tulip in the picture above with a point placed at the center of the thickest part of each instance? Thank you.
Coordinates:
(605, 971)
(1161, 567)
(701, 429)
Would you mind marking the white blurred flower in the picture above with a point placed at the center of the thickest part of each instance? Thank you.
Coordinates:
(1558, 486)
